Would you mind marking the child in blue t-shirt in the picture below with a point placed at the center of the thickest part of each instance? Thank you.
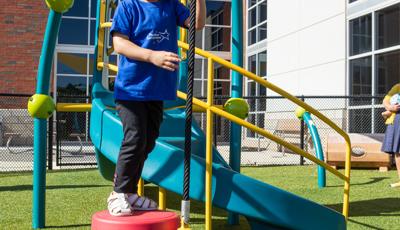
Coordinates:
(145, 37)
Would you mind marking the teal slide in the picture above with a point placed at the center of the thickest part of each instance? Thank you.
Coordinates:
(264, 206)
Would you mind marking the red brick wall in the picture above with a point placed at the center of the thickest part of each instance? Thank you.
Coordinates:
(22, 26)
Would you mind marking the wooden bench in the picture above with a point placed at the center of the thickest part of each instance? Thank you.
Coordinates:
(290, 131)
(366, 151)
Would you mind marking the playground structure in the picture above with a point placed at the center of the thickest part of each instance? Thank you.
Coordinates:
(263, 205)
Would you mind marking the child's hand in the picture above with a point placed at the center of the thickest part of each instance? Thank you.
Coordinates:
(395, 108)
(165, 60)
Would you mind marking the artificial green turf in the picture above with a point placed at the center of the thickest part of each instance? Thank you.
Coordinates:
(73, 196)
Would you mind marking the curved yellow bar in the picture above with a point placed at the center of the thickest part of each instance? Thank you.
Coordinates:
(265, 134)
(73, 107)
(298, 102)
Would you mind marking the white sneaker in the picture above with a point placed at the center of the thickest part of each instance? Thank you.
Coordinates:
(118, 204)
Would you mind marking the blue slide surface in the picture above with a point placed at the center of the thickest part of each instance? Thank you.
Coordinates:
(265, 206)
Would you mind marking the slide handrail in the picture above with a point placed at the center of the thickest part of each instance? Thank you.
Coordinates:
(276, 89)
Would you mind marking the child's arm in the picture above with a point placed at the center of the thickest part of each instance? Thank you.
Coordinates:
(163, 59)
(200, 15)
(392, 108)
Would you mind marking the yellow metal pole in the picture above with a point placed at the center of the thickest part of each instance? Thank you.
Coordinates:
(162, 199)
(141, 187)
(209, 139)
(182, 38)
(346, 195)
(100, 43)
(73, 107)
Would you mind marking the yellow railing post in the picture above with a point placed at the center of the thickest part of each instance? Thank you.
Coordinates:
(140, 187)
(100, 39)
(209, 138)
(162, 199)
(346, 195)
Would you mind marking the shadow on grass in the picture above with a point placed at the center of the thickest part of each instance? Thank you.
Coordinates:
(73, 226)
(27, 187)
(365, 225)
(373, 180)
(373, 207)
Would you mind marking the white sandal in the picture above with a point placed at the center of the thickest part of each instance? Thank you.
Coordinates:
(395, 185)
(142, 203)
(118, 205)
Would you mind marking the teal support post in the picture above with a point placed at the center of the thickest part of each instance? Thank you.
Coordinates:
(318, 148)
(236, 90)
(40, 125)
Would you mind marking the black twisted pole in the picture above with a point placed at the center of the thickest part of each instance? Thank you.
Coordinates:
(189, 102)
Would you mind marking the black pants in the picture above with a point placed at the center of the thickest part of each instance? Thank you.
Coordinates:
(141, 122)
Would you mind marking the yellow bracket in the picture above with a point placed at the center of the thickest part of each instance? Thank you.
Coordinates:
(184, 226)
(73, 107)
(105, 25)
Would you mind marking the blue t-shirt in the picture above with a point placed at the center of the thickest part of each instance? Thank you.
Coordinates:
(150, 25)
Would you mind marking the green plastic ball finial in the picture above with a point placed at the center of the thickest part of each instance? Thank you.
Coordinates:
(60, 6)
(237, 107)
(300, 112)
(41, 106)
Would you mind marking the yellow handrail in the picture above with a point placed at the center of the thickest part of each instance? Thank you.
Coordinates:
(295, 100)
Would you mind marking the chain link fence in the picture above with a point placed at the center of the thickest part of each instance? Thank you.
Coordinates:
(72, 141)
(16, 133)
(277, 116)
(71, 146)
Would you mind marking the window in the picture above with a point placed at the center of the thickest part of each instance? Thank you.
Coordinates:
(256, 21)
(216, 35)
(72, 74)
(388, 27)
(257, 64)
(360, 35)
(374, 67)
(361, 78)
(78, 24)
(387, 71)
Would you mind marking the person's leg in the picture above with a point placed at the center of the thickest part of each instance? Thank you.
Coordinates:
(155, 119)
(397, 161)
(133, 148)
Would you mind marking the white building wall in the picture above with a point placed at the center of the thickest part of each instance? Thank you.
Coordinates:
(306, 46)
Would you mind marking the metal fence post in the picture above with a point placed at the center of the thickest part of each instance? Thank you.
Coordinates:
(50, 144)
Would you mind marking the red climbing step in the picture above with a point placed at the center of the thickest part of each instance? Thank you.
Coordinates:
(149, 220)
